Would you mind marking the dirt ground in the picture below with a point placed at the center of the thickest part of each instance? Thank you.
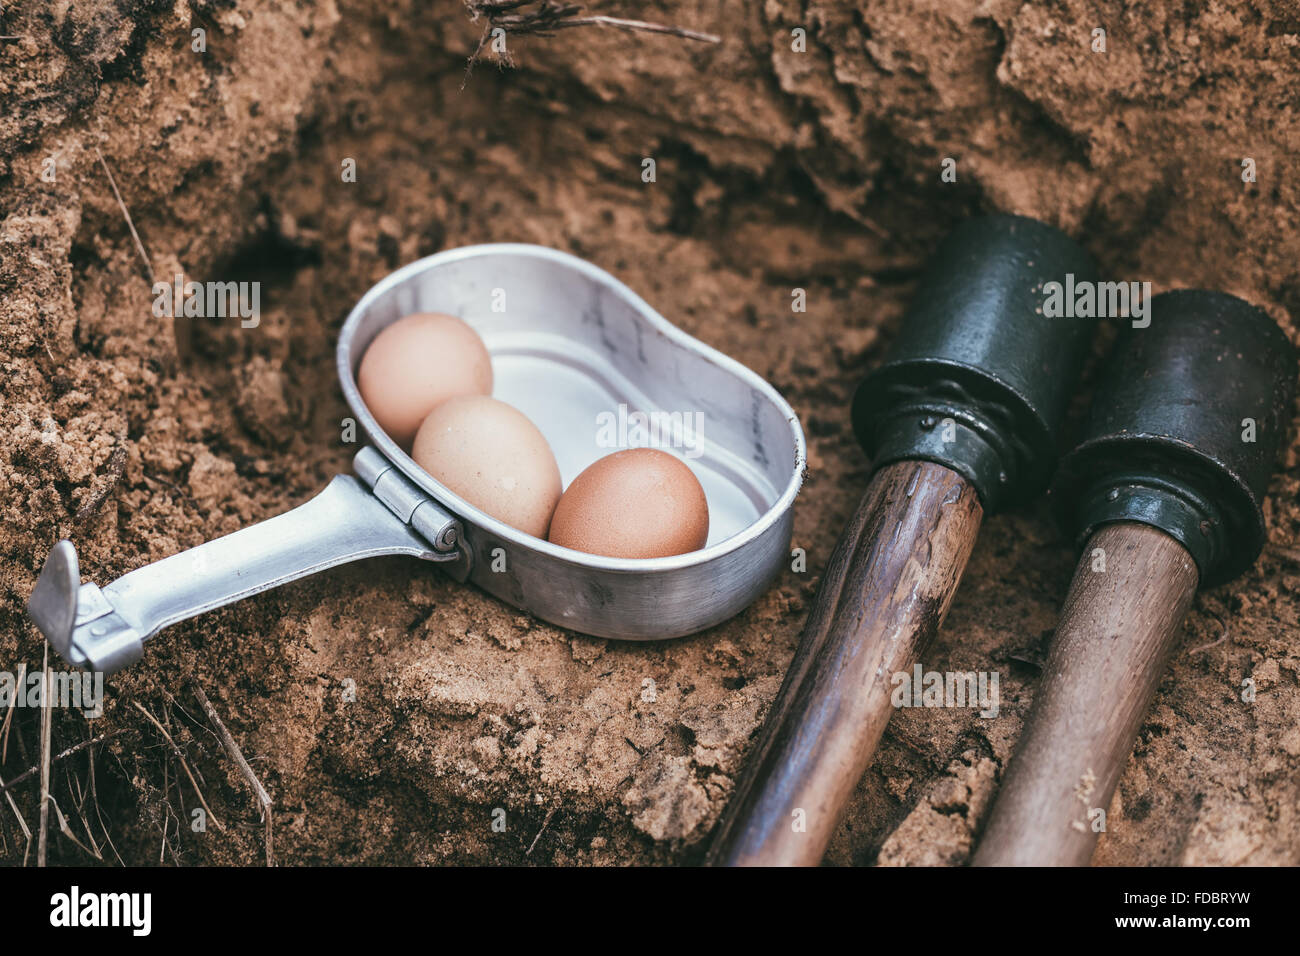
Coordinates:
(394, 715)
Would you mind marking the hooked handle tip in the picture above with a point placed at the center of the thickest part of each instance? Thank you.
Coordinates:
(77, 619)
(53, 602)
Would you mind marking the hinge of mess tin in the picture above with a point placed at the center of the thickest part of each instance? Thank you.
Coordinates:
(437, 525)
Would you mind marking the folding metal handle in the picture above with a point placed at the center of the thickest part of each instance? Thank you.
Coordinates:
(104, 629)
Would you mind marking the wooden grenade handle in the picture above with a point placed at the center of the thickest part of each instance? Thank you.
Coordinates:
(1110, 650)
(885, 593)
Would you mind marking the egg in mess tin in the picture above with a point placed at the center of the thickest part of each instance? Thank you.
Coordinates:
(427, 378)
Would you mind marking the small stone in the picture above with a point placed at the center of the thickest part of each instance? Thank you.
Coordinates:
(587, 650)
(949, 794)
(1266, 673)
(488, 752)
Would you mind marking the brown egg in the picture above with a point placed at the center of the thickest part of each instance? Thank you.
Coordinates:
(418, 362)
(640, 503)
(491, 455)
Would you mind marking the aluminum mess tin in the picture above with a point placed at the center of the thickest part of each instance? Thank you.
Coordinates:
(570, 344)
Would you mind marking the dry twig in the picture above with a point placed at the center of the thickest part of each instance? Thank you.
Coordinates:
(545, 823)
(237, 755)
(67, 753)
(94, 795)
(139, 246)
(79, 804)
(47, 727)
(547, 16)
(66, 829)
(184, 766)
(9, 714)
(22, 821)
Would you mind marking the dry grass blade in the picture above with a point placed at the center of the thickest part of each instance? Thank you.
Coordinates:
(47, 727)
(237, 755)
(94, 796)
(169, 815)
(64, 754)
(139, 246)
(184, 766)
(67, 832)
(544, 17)
(639, 26)
(545, 823)
(22, 821)
(9, 714)
(79, 804)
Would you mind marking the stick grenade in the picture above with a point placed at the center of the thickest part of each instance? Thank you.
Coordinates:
(1165, 490)
(960, 420)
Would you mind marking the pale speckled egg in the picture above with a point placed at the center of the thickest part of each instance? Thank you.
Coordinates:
(491, 455)
(415, 364)
(639, 503)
